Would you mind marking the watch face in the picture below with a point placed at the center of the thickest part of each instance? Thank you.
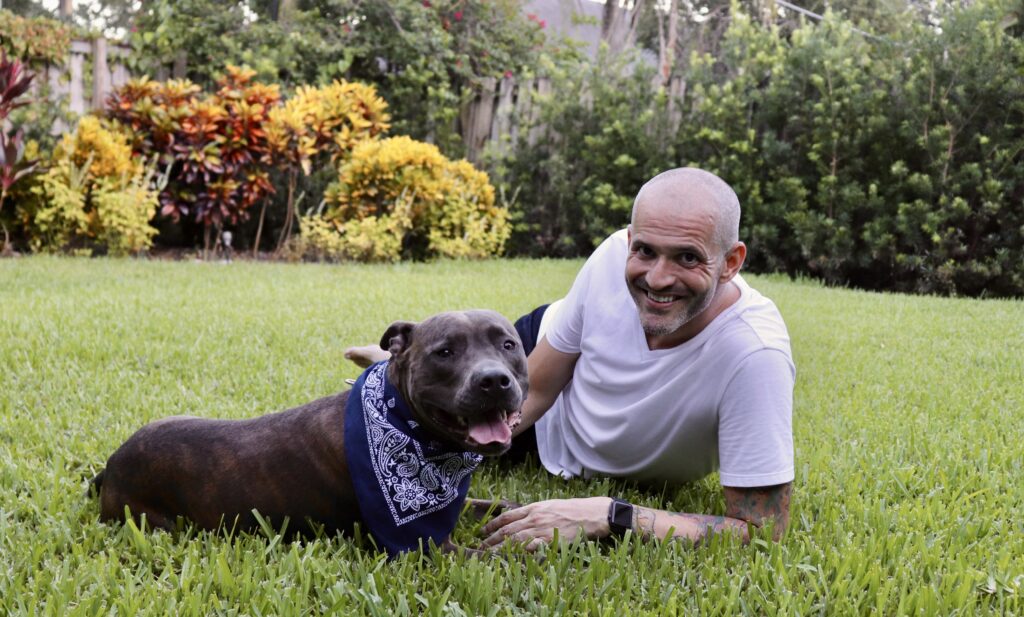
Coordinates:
(621, 517)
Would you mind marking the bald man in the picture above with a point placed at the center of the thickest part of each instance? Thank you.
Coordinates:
(661, 365)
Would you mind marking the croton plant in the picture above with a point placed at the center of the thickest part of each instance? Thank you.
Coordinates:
(14, 83)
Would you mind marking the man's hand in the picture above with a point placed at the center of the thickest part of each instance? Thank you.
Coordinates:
(535, 524)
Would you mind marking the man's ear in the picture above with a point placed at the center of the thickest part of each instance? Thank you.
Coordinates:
(734, 259)
(397, 337)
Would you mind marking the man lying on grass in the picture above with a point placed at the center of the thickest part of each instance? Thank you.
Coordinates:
(664, 375)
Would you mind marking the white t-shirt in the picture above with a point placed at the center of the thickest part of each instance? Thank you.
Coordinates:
(721, 400)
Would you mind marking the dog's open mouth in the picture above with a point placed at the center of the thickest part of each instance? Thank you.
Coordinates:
(489, 428)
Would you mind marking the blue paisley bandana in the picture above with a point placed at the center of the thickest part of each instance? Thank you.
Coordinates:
(408, 486)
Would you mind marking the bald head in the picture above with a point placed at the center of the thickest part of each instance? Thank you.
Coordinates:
(696, 191)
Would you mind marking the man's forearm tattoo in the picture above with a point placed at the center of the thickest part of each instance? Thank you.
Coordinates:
(743, 507)
(759, 506)
(645, 519)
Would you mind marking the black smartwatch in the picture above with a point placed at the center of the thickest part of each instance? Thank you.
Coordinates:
(620, 517)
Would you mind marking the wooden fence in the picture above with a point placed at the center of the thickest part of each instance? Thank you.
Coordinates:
(84, 91)
(495, 118)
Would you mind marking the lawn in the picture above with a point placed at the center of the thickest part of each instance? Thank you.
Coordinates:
(909, 425)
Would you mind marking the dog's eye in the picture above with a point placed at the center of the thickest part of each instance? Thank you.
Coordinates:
(444, 352)
(509, 345)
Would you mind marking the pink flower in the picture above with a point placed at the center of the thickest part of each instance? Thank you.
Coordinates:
(458, 16)
(426, 3)
(508, 74)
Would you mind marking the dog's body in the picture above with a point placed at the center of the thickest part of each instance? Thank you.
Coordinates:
(463, 376)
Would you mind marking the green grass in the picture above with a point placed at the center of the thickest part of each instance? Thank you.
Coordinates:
(909, 425)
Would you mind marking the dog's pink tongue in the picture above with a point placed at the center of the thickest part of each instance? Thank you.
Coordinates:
(490, 430)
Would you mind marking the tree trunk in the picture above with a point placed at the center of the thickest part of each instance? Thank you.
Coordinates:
(289, 217)
(259, 229)
(207, 232)
(668, 34)
(619, 24)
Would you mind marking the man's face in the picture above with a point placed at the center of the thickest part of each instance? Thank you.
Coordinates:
(674, 263)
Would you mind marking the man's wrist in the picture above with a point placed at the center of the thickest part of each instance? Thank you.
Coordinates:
(621, 517)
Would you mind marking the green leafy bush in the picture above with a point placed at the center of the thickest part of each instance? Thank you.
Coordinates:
(586, 149)
(36, 39)
(884, 163)
(866, 164)
(95, 194)
(400, 198)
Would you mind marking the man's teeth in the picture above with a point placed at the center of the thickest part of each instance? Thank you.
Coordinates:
(658, 298)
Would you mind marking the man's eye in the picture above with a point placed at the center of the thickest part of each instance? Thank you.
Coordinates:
(644, 251)
(444, 353)
(689, 259)
(509, 345)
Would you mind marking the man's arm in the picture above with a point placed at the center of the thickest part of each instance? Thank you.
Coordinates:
(535, 524)
(743, 506)
(549, 372)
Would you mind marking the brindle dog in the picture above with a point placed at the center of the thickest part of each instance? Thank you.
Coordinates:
(462, 374)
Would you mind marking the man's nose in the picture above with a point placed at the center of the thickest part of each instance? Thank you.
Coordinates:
(660, 275)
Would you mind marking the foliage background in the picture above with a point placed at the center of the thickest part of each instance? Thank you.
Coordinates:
(880, 147)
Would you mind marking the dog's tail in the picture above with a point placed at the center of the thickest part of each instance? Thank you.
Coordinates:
(95, 484)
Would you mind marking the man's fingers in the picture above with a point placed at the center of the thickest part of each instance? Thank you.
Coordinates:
(516, 531)
(525, 539)
(506, 517)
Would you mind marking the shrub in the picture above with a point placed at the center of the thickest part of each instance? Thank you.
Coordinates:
(36, 39)
(582, 153)
(106, 152)
(402, 198)
(863, 165)
(318, 124)
(60, 215)
(14, 165)
(94, 194)
(214, 150)
(372, 239)
(328, 120)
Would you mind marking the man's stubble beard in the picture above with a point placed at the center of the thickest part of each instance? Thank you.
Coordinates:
(697, 306)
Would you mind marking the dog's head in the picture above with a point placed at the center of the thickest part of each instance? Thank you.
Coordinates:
(463, 374)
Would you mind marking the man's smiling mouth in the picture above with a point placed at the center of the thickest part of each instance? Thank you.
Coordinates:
(661, 299)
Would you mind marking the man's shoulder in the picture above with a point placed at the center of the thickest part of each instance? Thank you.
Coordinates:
(614, 247)
(755, 324)
(603, 269)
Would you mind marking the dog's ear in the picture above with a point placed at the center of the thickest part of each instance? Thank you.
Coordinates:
(397, 337)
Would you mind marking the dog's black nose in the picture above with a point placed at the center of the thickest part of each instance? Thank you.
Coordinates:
(494, 381)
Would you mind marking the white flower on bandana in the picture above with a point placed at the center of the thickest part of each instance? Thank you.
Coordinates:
(410, 494)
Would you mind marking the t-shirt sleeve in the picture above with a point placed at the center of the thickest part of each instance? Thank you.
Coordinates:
(755, 425)
(565, 333)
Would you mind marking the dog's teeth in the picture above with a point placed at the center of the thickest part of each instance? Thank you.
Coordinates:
(462, 421)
